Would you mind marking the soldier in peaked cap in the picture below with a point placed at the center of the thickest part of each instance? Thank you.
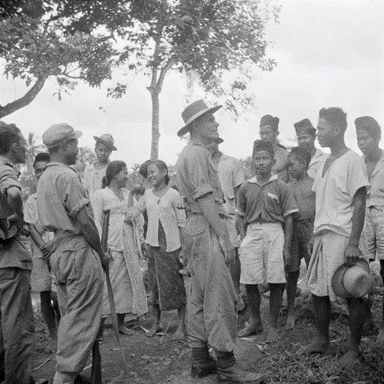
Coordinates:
(94, 172)
(372, 239)
(212, 307)
(269, 130)
(306, 136)
(76, 256)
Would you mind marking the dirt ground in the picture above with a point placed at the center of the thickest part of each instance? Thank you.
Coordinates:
(164, 360)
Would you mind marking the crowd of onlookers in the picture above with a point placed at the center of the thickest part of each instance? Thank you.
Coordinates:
(214, 227)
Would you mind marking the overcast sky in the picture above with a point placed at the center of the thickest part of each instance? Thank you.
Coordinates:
(328, 53)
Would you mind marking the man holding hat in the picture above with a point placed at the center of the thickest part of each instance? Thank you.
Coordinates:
(306, 136)
(231, 177)
(340, 188)
(94, 172)
(212, 312)
(269, 130)
(76, 254)
(16, 313)
(372, 240)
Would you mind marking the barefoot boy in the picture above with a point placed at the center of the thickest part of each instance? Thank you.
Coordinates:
(265, 205)
(301, 186)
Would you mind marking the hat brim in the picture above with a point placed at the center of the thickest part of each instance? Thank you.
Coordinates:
(337, 279)
(109, 145)
(183, 131)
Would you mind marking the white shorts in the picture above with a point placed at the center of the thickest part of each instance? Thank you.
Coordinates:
(261, 254)
(372, 238)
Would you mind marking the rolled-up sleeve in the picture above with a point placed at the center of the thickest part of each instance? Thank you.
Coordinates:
(198, 171)
(8, 179)
(75, 196)
(30, 214)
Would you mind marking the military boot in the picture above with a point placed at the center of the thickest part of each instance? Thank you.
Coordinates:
(202, 364)
(230, 372)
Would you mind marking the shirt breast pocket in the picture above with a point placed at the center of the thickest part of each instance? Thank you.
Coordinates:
(272, 202)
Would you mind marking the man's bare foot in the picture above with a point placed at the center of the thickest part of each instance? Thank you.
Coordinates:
(125, 331)
(291, 320)
(154, 329)
(180, 333)
(350, 359)
(317, 347)
(272, 335)
(380, 337)
(251, 329)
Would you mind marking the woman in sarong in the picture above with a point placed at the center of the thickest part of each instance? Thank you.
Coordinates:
(124, 269)
(166, 219)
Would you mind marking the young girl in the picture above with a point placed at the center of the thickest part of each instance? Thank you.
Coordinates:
(127, 282)
(166, 218)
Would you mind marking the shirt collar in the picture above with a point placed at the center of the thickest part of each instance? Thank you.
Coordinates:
(254, 180)
(57, 164)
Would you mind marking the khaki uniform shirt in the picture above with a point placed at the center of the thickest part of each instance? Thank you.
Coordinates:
(231, 176)
(196, 177)
(14, 253)
(60, 197)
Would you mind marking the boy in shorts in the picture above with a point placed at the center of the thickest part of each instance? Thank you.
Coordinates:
(41, 279)
(301, 186)
(266, 204)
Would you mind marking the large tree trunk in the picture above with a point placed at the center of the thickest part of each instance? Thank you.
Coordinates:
(155, 124)
(24, 100)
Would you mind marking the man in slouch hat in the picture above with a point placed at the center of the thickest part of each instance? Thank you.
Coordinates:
(76, 256)
(212, 312)
(306, 136)
(94, 172)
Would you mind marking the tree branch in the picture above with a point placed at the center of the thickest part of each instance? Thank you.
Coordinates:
(24, 100)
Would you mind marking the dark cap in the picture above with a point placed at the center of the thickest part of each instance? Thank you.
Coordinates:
(305, 126)
(270, 120)
(260, 145)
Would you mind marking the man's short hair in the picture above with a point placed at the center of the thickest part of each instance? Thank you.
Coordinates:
(42, 156)
(334, 116)
(302, 154)
(9, 134)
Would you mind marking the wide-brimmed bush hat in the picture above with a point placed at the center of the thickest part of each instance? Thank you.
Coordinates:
(107, 140)
(352, 281)
(192, 112)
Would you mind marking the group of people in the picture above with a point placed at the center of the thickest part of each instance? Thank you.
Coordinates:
(213, 225)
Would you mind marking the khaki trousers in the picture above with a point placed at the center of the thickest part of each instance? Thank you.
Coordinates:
(211, 310)
(17, 325)
(80, 291)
